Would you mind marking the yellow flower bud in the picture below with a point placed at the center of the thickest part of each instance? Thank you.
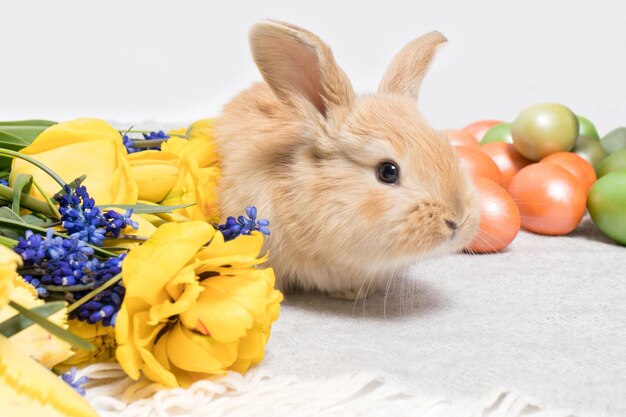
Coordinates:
(82, 146)
(155, 172)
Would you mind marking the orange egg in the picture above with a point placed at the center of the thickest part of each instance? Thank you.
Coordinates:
(551, 201)
(499, 218)
(479, 164)
(506, 158)
(479, 128)
(575, 165)
(458, 137)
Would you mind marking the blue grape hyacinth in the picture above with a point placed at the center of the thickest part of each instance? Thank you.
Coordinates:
(242, 225)
(129, 144)
(155, 135)
(80, 216)
(74, 382)
(66, 268)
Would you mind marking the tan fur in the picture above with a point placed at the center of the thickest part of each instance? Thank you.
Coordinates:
(305, 152)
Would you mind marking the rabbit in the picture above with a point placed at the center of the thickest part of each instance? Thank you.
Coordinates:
(357, 188)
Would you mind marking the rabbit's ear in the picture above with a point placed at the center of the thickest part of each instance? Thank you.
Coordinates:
(296, 63)
(408, 67)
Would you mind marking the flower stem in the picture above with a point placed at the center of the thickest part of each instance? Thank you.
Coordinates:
(8, 242)
(52, 328)
(147, 143)
(93, 293)
(52, 206)
(149, 131)
(44, 168)
(29, 202)
(123, 236)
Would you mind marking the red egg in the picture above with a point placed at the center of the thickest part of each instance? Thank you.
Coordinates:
(458, 137)
(575, 165)
(499, 218)
(479, 128)
(551, 201)
(479, 164)
(506, 158)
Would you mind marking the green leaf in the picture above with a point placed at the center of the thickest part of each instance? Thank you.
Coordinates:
(22, 184)
(12, 140)
(29, 202)
(7, 213)
(26, 133)
(36, 221)
(140, 208)
(33, 122)
(13, 143)
(8, 242)
(19, 322)
(52, 328)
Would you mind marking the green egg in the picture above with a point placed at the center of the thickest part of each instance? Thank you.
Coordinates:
(498, 133)
(544, 129)
(614, 162)
(615, 140)
(590, 150)
(587, 128)
(606, 202)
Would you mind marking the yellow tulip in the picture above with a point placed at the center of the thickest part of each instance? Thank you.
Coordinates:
(200, 144)
(28, 389)
(197, 186)
(82, 146)
(101, 337)
(9, 261)
(192, 311)
(155, 172)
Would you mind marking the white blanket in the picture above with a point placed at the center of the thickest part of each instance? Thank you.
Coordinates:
(545, 320)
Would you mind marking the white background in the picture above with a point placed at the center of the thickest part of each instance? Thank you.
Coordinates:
(176, 61)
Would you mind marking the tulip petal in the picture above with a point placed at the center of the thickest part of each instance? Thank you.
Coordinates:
(178, 243)
(197, 353)
(155, 172)
(242, 251)
(225, 319)
(249, 293)
(183, 301)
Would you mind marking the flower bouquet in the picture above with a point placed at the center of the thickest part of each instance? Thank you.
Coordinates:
(112, 249)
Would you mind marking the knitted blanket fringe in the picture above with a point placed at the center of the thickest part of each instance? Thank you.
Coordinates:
(257, 393)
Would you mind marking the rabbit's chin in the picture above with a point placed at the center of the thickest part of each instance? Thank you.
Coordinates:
(353, 280)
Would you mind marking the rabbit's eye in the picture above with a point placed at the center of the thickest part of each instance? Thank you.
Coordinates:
(388, 172)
